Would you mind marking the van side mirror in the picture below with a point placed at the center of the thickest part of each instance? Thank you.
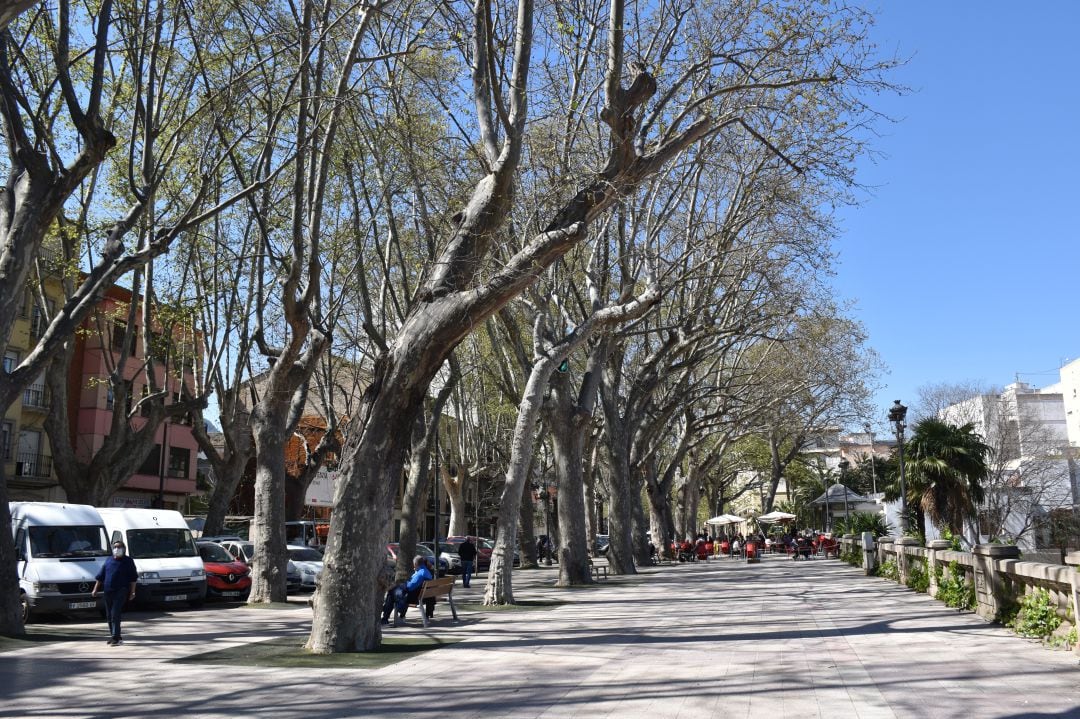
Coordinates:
(20, 554)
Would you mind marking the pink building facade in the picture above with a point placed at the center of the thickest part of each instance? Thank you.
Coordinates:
(168, 476)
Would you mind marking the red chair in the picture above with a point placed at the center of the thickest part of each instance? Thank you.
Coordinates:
(725, 548)
(751, 551)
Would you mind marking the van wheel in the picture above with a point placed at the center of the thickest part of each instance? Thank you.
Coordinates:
(24, 608)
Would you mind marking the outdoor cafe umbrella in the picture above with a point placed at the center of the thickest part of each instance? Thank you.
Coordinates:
(776, 516)
(725, 519)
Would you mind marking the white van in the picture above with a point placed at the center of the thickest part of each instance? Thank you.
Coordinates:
(60, 548)
(170, 568)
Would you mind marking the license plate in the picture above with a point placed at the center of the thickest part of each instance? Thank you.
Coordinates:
(230, 594)
(82, 605)
(176, 598)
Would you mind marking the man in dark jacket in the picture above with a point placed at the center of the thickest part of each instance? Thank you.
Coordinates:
(467, 551)
(117, 579)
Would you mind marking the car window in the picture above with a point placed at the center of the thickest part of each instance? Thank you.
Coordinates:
(305, 555)
(214, 553)
(160, 542)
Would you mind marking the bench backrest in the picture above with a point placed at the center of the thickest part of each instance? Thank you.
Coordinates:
(437, 587)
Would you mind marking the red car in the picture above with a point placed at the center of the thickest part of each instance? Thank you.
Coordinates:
(483, 550)
(226, 577)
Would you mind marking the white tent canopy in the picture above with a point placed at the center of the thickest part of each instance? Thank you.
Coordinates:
(776, 516)
(725, 519)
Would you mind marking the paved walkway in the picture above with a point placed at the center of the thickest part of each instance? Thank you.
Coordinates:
(723, 639)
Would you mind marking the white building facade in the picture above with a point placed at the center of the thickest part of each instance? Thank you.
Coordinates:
(1031, 472)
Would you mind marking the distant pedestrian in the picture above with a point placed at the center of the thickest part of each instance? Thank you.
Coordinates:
(467, 551)
(116, 581)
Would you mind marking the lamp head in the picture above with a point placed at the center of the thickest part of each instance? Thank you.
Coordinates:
(897, 413)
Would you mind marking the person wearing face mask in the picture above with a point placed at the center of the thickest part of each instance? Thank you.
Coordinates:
(116, 581)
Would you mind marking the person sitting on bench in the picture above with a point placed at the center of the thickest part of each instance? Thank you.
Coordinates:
(406, 593)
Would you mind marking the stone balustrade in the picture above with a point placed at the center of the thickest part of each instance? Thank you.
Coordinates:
(1000, 578)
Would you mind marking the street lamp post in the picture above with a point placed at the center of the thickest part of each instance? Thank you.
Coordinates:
(843, 465)
(897, 415)
(873, 469)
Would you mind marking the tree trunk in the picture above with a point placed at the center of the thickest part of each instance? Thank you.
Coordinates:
(268, 530)
(455, 495)
(10, 606)
(499, 588)
(567, 440)
(527, 530)
(347, 603)
(227, 477)
(589, 479)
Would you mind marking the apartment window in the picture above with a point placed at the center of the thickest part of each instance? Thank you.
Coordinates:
(24, 305)
(119, 329)
(40, 321)
(11, 361)
(7, 430)
(179, 460)
(110, 396)
(152, 464)
(35, 394)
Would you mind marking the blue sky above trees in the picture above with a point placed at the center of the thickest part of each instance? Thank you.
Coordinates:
(963, 259)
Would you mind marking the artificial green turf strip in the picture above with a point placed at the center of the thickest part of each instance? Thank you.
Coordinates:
(290, 652)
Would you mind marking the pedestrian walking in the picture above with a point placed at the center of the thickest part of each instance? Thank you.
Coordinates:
(467, 552)
(116, 581)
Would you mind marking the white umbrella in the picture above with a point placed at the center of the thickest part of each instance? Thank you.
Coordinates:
(725, 519)
(776, 516)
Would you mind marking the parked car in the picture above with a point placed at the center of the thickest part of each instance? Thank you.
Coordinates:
(170, 569)
(307, 533)
(489, 546)
(244, 551)
(483, 550)
(447, 553)
(310, 563)
(393, 548)
(226, 577)
(59, 549)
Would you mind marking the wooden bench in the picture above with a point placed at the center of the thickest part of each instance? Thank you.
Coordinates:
(433, 589)
(599, 571)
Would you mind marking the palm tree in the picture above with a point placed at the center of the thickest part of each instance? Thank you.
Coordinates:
(946, 465)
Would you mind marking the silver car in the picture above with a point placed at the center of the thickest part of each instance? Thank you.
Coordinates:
(245, 551)
(310, 563)
(448, 556)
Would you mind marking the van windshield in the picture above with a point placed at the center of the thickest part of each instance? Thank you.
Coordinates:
(157, 543)
(46, 542)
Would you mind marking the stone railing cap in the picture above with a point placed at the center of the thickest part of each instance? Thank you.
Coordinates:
(1072, 559)
(997, 550)
(907, 541)
(939, 544)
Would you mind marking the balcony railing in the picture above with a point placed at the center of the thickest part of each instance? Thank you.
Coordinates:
(28, 464)
(35, 396)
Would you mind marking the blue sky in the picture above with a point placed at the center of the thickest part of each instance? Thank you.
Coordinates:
(963, 261)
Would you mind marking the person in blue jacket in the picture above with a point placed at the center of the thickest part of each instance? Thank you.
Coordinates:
(116, 581)
(401, 595)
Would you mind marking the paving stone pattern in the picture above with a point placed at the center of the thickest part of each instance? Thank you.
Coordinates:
(718, 639)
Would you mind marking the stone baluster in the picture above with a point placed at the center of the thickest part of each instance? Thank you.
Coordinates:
(933, 561)
(903, 560)
(869, 553)
(990, 589)
(1073, 560)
